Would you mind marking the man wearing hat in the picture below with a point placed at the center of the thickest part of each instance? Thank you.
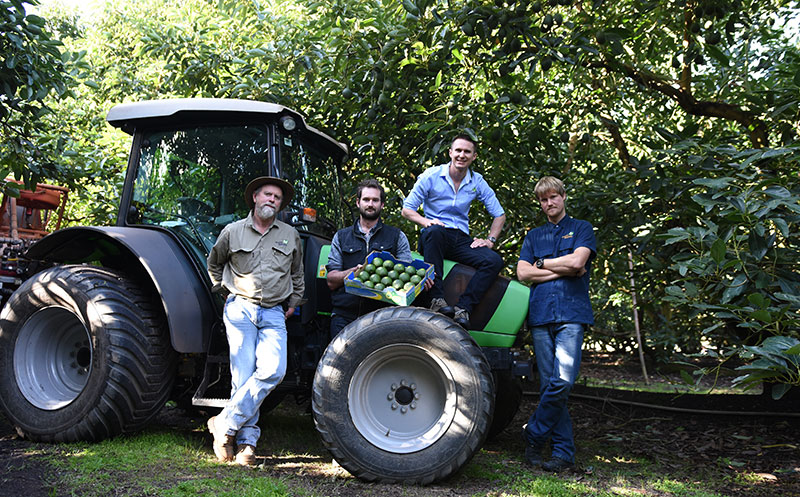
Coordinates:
(258, 261)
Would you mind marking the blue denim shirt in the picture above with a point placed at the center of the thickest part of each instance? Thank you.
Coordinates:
(566, 299)
(435, 191)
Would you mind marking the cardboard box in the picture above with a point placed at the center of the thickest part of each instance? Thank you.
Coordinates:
(353, 285)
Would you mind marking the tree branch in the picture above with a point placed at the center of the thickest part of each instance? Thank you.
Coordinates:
(756, 129)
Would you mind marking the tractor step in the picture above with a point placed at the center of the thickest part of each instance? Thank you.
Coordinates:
(208, 402)
(214, 379)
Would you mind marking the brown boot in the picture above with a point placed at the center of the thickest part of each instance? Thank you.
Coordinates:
(223, 443)
(246, 455)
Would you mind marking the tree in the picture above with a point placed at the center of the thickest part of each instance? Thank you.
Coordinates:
(658, 115)
(34, 71)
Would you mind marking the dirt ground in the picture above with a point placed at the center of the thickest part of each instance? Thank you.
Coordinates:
(715, 447)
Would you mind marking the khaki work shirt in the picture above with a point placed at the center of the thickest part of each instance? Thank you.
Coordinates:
(266, 269)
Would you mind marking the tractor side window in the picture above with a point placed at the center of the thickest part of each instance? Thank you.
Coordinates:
(314, 174)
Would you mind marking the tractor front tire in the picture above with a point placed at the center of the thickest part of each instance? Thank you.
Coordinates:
(84, 355)
(403, 395)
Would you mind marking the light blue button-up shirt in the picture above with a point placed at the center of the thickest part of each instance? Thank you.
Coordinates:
(435, 191)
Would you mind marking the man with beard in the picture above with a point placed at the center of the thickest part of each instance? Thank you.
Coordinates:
(350, 247)
(258, 261)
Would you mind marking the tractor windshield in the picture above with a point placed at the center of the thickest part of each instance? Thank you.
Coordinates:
(191, 181)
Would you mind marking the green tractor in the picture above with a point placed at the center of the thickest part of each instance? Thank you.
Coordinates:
(110, 322)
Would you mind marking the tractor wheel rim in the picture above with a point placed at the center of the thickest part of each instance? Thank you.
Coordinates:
(402, 398)
(52, 358)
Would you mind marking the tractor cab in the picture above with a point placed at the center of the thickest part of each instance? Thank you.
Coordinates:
(192, 158)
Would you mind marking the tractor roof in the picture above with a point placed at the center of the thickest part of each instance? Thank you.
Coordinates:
(185, 111)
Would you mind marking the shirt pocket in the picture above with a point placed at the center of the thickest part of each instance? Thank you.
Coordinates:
(352, 248)
(281, 256)
(244, 260)
(566, 245)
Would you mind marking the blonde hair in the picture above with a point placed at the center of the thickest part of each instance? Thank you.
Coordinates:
(549, 184)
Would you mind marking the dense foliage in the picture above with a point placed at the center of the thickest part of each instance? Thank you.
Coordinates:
(674, 125)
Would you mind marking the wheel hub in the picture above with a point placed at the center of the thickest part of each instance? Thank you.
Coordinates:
(418, 398)
(52, 358)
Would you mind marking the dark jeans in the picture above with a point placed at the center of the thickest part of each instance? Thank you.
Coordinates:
(339, 320)
(558, 358)
(440, 243)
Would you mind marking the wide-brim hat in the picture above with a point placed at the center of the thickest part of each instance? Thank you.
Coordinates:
(286, 188)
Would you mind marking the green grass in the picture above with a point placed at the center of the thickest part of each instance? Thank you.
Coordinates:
(229, 487)
(159, 463)
(179, 462)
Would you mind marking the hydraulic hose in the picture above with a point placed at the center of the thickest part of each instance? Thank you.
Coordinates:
(679, 409)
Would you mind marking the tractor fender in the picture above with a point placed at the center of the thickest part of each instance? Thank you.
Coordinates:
(137, 252)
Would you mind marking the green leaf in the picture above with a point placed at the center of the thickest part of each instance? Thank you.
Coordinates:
(778, 191)
(718, 55)
(757, 300)
(758, 245)
(736, 288)
(780, 390)
(782, 225)
(762, 315)
(718, 251)
(716, 183)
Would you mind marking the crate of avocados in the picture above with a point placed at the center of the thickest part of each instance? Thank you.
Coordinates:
(382, 277)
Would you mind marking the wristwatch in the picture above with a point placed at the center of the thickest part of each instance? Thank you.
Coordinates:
(539, 263)
(492, 239)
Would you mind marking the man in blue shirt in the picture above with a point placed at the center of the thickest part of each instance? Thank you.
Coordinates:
(556, 258)
(445, 193)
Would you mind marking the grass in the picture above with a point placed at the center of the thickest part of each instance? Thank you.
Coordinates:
(178, 462)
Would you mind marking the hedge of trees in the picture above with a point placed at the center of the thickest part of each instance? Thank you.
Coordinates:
(673, 123)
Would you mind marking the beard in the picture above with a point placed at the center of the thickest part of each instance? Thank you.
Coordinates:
(370, 215)
(265, 212)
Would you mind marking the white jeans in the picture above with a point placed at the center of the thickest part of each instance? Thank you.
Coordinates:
(257, 342)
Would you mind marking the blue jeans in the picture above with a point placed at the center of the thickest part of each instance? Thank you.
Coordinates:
(257, 342)
(438, 243)
(558, 358)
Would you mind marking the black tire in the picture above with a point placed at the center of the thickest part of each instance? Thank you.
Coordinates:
(84, 355)
(403, 395)
(508, 396)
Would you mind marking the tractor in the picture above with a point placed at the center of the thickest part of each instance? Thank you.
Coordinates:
(108, 323)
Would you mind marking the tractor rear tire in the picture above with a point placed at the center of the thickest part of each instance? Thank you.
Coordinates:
(84, 355)
(506, 402)
(403, 395)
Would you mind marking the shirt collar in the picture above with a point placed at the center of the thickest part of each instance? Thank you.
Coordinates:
(563, 221)
(357, 227)
(444, 171)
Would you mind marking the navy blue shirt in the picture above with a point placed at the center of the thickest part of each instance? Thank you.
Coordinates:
(565, 299)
